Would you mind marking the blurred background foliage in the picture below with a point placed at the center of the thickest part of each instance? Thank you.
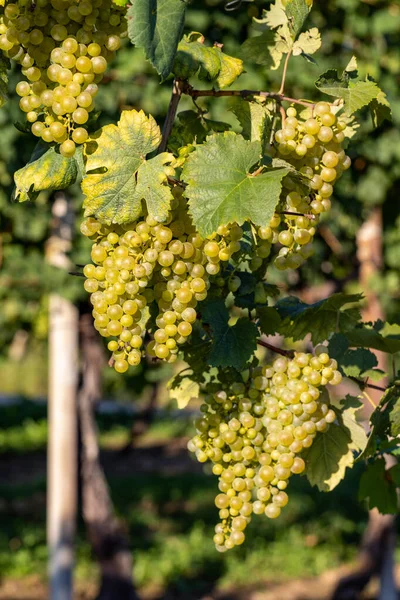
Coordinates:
(170, 522)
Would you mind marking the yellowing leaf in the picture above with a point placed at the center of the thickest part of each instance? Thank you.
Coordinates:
(184, 391)
(275, 16)
(195, 58)
(47, 169)
(119, 177)
(231, 69)
(150, 185)
(308, 42)
(352, 66)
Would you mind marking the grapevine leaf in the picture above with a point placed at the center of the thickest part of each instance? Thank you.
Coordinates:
(261, 50)
(275, 16)
(395, 418)
(352, 65)
(355, 362)
(375, 374)
(183, 390)
(232, 345)
(355, 94)
(157, 26)
(269, 319)
(121, 2)
(151, 178)
(117, 175)
(47, 169)
(191, 127)
(4, 66)
(211, 64)
(367, 337)
(231, 69)
(297, 12)
(222, 190)
(338, 346)
(255, 119)
(329, 457)
(321, 318)
(346, 411)
(380, 109)
(378, 486)
(385, 422)
(308, 42)
(245, 295)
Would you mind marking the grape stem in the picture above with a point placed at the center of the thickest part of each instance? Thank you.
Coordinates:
(285, 68)
(190, 91)
(288, 353)
(297, 214)
(177, 90)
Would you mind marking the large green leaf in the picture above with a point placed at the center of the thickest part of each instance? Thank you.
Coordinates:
(118, 176)
(320, 319)
(329, 457)
(232, 345)
(47, 169)
(157, 26)
(221, 188)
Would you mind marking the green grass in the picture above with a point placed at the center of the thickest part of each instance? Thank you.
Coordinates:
(30, 434)
(171, 520)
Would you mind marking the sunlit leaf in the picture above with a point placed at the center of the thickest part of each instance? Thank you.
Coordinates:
(46, 170)
(221, 188)
(118, 176)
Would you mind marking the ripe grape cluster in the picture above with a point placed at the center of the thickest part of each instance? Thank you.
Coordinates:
(63, 47)
(254, 434)
(147, 263)
(312, 143)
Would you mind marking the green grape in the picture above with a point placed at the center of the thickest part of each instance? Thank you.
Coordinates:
(54, 55)
(255, 456)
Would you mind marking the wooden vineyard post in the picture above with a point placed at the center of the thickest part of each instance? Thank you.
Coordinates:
(62, 414)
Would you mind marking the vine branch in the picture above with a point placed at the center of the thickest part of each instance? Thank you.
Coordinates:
(285, 68)
(288, 353)
(279, 97)
(177, 90)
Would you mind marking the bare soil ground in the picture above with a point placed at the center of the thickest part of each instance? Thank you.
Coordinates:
(318, 588)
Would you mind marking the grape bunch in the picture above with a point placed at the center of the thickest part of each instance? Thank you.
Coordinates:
(63, 47)
(144, 264)
(312, 143)
(254, 434)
